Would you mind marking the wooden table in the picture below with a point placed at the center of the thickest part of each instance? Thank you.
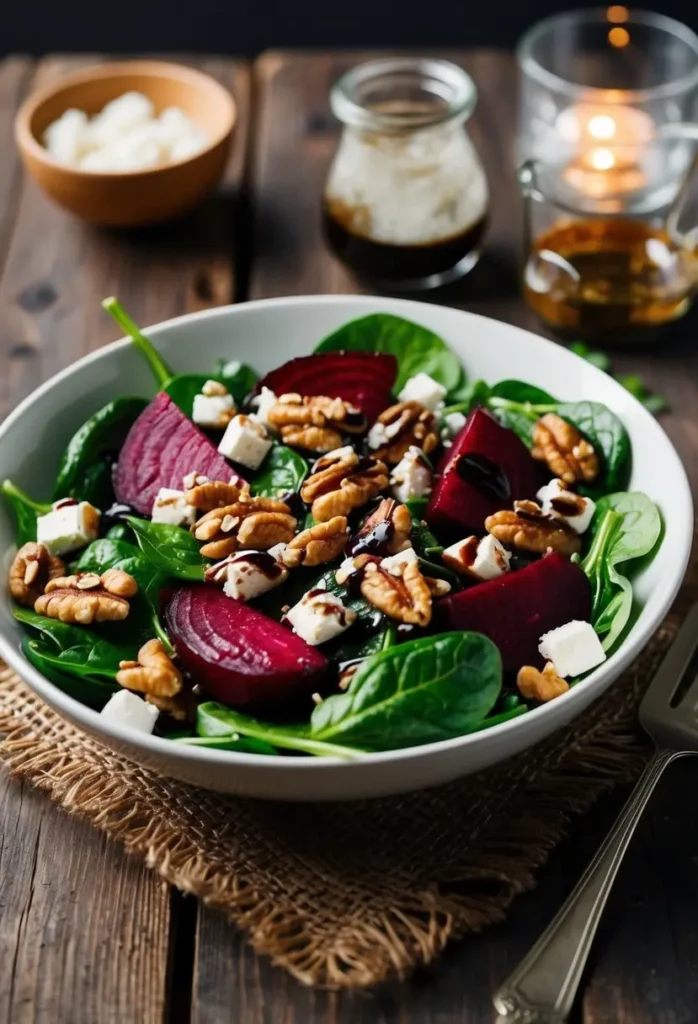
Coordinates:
(89, 936)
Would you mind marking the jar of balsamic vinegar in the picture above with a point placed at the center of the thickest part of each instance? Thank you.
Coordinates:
(406, 199)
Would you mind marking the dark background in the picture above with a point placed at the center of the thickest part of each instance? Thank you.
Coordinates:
(249, 26)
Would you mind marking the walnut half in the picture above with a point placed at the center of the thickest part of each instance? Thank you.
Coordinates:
(530, 529)
(341, 482)
(320, 543)
(31, 570)
(403, 426)
(567, 454)
(154, 673)
(315, 422)
(257, 523)
(403, 595)
(541, 686)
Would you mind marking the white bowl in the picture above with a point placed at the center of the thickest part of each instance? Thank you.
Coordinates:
(265, 334)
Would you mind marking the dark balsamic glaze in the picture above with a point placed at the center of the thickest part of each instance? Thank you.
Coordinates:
(375, 542)
(485, 475)
(116, 513)
(265, 562)
(566, 506)
(355, 421)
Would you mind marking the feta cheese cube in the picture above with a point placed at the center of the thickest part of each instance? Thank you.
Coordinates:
(423, 388)
(346, 569)
(251, 573)
(573, 509)
(394, 563)
(319, 616)
(573, 648)
(378, 436)
(70, 525)
(125, 708)
(170, 507)
(411, 478)
(453, 423)
(486, 559)
(212, 410)
(263, 403)
(277, 551)
(245, 441)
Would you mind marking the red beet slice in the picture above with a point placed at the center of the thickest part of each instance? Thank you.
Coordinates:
(162, 446)
(485, 470)
(363, 378)
(238, 655)
(515, 610)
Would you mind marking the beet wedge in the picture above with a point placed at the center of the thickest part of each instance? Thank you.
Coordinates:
(516, 609)
(363, 378)
(240, 656)
(485, 470)
(161, 448)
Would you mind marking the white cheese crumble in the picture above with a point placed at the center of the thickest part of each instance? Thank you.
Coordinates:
(411, 478)
(319, 616)
(424, 389)
(212, 410)
(70, 525)
(394, 564)
(171, 508)
(245, 441)
(453, 424)
(486, 559)
(572, 509)
(252, 573)
(125, 136)
(262, 405)
(125, 708)
(573, 648)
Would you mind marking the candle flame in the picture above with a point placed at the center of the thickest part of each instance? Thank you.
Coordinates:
(602, 159)
(602, 126)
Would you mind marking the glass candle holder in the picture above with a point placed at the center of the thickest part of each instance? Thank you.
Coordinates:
(406, 198)
(607, 137)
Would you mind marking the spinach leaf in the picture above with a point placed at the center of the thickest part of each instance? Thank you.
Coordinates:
(170, 549)
(626, 526)
(217, 720)
(610, 440)
(520, 391)
(598, 359)
(75, 649)
(183, 388)
(416, 348)
(239, 378)
(93, 692)
(81, 473)
(120, 531)
(467, 396)
(243, 745)
(417, 507)
(518, 406)
(419, 692)
(25, 509)
(502, 716)
(281, 472)
(424, 542)
(161, 371)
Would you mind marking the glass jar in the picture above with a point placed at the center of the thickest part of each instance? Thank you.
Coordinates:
(406, 199)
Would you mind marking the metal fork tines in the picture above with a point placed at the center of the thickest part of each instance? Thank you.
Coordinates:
(542, 988)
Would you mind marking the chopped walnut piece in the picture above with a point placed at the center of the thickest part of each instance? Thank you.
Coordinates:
(397, 529)
(32, 568)
(568, 455)
(320, 543)
(181, 707)
(529, 529)
(250, 522)
(405, 596)
(315, 422)
(116, 581)
(400, 427)
(69, 604)
(541, 686)
(340, 482)
(113, 581)
(212, 494)
(154, 672)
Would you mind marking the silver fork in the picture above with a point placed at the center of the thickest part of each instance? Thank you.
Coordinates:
(542, 988)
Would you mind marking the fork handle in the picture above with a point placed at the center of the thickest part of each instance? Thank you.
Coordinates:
(542, 988)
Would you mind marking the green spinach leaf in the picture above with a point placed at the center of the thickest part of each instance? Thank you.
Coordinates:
(217, 720)
(241, 744)
(25, 510)
(424, 542)
(183, 389)
(282, 471)
(170, 549)
(239, 378)
(416, 348)
(41, 654)
(419, 692)
(76, 650)
(521, 392)
(82, 474)
(161, 371)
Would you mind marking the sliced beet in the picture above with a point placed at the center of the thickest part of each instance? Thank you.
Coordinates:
(161, 448)
(363, 378)
(516, 609)
(240, 656)
(485, 470)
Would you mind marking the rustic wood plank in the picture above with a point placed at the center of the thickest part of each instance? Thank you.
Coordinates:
(85, 931)
(50, 307)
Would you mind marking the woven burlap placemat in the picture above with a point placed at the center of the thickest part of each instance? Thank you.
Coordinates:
(344, 895)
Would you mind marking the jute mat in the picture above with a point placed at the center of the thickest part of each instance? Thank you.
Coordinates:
(344, 895)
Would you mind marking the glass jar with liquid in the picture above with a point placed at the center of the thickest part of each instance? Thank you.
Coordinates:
(406, 199)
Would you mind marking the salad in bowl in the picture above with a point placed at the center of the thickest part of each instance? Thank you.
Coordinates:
(360, 551)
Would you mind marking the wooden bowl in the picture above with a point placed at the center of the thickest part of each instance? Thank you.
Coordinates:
(129, 198)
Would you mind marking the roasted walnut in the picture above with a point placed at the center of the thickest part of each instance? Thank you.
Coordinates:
(70, 604)
(567, 454)
(212, 494)
(400, 427)
(386, 531)
(320, 543)
(341, 481)
(315, 422)
(403, 595)
(31, 570)
(529, 529)
(154, 673)
(541, 686)
(250, 522)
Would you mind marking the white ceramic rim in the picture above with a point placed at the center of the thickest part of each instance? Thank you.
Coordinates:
(95, 723)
